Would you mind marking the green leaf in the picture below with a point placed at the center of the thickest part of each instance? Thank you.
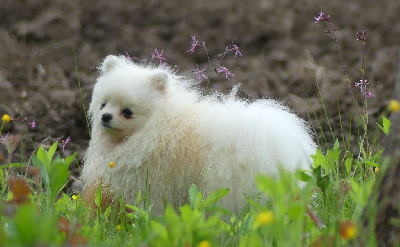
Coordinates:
(303, 176)
(265, 184)
(252, 239)
(385, 127)
(215, 196)
(195, 197)
(160, 231)
(64, 204)
(319, 158)
(97, 199)
(348, 162)
(336, 145)
(219, 209)
(42, 157)
(296, 211)
(58, 178)
(70, 158)
(13, 165)
(40, 162)
(29, 228)
(25, 225)
(174, 223)
(134, 208)
(59, 174)
(107, 212)
(52, 151)
(332, 158)
(323, 181)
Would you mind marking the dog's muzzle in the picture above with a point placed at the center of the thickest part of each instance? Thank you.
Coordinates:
(106, 119)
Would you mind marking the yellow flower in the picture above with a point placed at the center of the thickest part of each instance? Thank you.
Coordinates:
(112, 164)
(204, 243)
(376, 169)
(6, 118)
(264, 218)
(74, 197)
(348, 230)
(118, 227)
(394, 106)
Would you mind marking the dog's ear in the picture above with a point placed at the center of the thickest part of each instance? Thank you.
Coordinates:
(109, 63)
(159, 80)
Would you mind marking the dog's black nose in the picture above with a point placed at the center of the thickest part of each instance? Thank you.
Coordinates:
(106, 117)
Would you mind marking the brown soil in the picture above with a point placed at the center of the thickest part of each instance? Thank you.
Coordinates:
(47, 45)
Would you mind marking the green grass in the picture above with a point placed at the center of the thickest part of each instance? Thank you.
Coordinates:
(334, 191)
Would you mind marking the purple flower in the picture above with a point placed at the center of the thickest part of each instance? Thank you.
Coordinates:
(321, 17)
(32, 124)
(130, 58)
(194, 43)
(3, 139)
(11, 142)
(200, 72)
(361, 36)
(26, 121)
(127, 56)
(65, 142)
(362, 85)
(235, 48)
(159, 55)
(223, 69)
(369, 94)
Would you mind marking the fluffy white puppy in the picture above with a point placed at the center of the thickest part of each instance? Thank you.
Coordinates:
(164, 136)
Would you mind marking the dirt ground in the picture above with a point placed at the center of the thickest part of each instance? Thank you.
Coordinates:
(47, 45)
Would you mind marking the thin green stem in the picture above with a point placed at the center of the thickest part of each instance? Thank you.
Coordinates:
(1, 128)
(81, 94)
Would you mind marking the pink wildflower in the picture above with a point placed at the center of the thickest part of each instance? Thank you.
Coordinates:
(195, 43)
(200, 72)
(235, 48)
(223, 69)
(321, 17)
(159, 56)
(65, 142)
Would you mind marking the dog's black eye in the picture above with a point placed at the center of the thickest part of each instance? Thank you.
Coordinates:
(127, 113)
(102, 106)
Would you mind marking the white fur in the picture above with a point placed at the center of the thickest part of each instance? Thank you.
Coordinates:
(178, 137)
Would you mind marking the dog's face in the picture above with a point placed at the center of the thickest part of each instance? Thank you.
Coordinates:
(125, 97)
(120, 118)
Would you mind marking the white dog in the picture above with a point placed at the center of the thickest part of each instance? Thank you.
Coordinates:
(164, 136)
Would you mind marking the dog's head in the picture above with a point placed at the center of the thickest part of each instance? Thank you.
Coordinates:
(126, 96)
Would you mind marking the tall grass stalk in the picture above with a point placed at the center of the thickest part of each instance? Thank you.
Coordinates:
(81, 94)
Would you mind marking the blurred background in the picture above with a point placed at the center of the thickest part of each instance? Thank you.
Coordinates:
(47, 45)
